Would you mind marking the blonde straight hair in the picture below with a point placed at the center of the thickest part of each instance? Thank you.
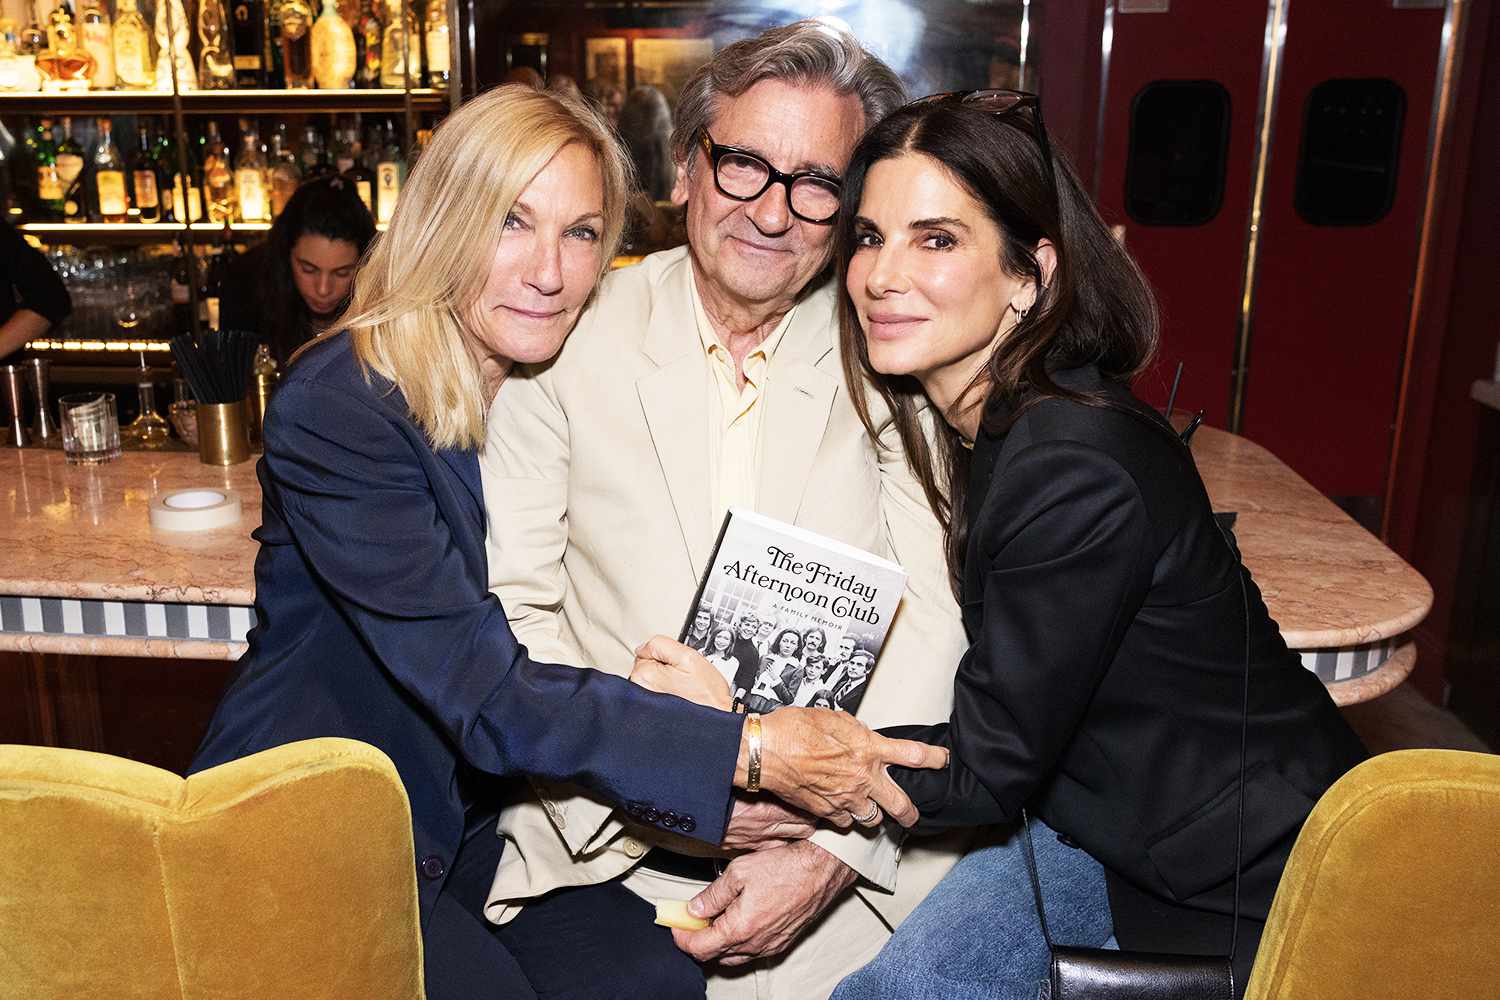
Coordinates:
(416, 289)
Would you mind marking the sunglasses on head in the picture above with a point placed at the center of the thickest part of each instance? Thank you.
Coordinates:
(1004, 104)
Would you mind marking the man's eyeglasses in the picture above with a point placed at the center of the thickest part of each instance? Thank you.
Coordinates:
(744, 176)
(1006, 104)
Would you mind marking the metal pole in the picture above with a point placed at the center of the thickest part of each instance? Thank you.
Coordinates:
(184, 215)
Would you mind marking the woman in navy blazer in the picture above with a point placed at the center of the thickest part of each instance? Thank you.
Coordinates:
(373, 617)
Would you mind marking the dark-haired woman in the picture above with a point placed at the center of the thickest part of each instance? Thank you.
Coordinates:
(1107, 613)
(290, 288)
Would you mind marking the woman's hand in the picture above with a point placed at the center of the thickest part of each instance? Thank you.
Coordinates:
(668, 667)
(832, 765)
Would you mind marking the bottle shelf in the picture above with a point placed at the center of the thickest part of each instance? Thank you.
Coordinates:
(249, 102)
(134, 232)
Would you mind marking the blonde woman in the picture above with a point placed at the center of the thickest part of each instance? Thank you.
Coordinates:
(374, 620)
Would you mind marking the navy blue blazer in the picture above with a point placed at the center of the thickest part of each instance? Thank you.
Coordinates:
(375, 624)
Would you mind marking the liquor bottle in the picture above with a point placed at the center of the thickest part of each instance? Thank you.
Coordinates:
(133, 68)
(362, 176)
(284, 173)
(70, 165)
(390, 172)
(296, 43)
(333, 50)
(17, 70)
(187, 193)
(98, 40)
(33, 40)
(164, 161)
(109, 177)
(10, 201)
(398, 48)
(218, 176)
(250, 176)
(215, 60)
(64, 64)
(145, 190)
(368, 30)
(275, 73)
(343, 150)
(172, 35)
(50, 189)
(436, 39)
(249, 40)
(314, 154)
(424, 136)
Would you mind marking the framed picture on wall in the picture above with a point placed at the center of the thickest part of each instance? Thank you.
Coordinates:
(604, 62)
(667, 63)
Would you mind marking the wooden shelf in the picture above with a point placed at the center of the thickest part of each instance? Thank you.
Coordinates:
(118, 102)
(127, 233)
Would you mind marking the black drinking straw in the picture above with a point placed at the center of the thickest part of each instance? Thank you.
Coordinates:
(1172, 397)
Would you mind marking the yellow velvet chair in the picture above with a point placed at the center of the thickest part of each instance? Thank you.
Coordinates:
(287, 874)
(1392, 891)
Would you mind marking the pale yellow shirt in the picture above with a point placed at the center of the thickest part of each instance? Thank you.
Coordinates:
(734, 452)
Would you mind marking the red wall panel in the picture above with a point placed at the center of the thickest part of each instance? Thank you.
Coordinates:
(1332, 303)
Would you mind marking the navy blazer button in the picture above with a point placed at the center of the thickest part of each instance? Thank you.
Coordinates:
(1066, 841)
(687, 824)
(650, 815)
(669, 819)
(432, 867)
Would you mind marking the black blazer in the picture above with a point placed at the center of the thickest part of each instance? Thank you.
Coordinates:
(1103, 684)
(374, 623)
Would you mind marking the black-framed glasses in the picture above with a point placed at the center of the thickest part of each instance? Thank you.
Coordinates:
(1006, 104)
(744, 176)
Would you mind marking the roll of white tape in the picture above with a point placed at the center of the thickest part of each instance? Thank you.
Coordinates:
(195, 510)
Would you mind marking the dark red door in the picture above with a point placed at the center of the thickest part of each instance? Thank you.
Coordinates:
(1334, 291)
(1196, 269)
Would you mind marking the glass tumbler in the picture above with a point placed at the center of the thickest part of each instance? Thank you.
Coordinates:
(90, 427)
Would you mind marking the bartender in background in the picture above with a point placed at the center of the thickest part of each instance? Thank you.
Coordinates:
(292, 286)
(34, 300)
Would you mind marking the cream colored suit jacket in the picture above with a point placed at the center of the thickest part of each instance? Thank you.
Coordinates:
(597, 487)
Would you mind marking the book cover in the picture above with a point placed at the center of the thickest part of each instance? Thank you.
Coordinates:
(791, 617)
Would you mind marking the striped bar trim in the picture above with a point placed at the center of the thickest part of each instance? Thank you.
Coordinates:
(132, 619)
(1333, 665)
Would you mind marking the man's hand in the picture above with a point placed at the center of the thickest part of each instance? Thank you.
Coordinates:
(760, 823)
(668, 667)
(762, 902)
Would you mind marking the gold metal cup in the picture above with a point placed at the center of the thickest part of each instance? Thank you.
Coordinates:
(222, 438)
(260, 397)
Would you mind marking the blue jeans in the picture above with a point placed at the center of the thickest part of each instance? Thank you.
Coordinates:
(977, 935)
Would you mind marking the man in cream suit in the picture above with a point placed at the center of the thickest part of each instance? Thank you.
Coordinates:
(706, 377)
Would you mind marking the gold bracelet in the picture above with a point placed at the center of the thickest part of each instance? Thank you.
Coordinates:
(752, 728)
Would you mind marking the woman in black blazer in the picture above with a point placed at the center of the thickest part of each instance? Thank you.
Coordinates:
(1107, 612)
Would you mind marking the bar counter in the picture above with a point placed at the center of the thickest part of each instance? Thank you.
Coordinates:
(85, 572)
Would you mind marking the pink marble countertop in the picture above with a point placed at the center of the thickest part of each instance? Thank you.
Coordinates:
(1327, 581)
(85, 531)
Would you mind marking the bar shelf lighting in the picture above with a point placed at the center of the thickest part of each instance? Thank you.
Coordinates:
(120, 346)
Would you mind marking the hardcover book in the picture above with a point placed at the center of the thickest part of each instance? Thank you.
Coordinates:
(791, 617)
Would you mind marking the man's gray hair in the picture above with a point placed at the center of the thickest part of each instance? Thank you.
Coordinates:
(807, 53)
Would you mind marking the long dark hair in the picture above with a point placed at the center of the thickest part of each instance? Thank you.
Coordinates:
(327, 207)
(1097, 308)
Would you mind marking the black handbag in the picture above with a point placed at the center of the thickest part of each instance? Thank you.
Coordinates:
(1101, 974)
